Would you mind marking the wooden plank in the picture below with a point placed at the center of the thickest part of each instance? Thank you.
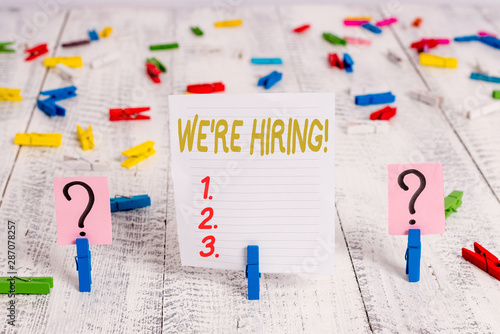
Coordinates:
(452, 295)
(18, 25)
(27, 27)
(461, 93)
(127, 276)
(203, 300)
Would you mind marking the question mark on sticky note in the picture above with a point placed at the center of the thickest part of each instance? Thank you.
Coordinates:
(90, 202)
(402, 184)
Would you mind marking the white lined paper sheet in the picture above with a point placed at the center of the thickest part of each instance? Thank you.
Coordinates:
(270, 163)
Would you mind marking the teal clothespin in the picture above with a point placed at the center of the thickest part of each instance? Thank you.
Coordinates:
(157, 63)
(26, 285)
(3, 47)
(452, 202)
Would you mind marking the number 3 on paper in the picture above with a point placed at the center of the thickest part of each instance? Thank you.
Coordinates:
(210, 239)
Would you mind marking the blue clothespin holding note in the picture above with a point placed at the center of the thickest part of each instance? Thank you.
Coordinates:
(49, 105)
(122, 203)
(412, 256)
(252, 272)
(83, 266)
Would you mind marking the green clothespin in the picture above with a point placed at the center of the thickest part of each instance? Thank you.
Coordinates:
(334, 39)
(197, 31)
(452, 202)
(3, 47)
(157, 63)
(163, 46)
(496, 94)
(26, 285)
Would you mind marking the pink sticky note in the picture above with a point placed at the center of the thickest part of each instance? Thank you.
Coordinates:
(70, 210)
(428, 205)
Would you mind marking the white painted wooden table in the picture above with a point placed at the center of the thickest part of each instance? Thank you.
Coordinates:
(139, 285)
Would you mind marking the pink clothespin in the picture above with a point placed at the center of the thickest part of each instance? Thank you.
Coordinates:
(358, 41)
(485, 33)
(439, 40)
(386, 22)
(355, 22)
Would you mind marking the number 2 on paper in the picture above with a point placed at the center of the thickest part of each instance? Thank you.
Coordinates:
(203, 225)
(209, 245)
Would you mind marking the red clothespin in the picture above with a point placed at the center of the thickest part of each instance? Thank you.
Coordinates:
(153, 72)
(335, 61)
(302, 28)
(206, 88)
(128, 114)
(36, 51)
(483, 259)
(425, 44)
(383, 114)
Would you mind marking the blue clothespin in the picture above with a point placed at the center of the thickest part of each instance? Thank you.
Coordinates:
(270, 80)
(372, 28)
(490, 40)
(412, 255)
(381, 98)
(93, 35)
(60, 93)
(252, 272)
(128, 203)
(482, 77)
(49, 105)
(466, 38)
(348, 62)
(266, 61)
(83, 266)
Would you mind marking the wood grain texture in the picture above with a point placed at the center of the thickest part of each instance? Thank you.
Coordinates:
(139, 284)
(127, 276)
(18, 25)
(461, 94)
(447, 297)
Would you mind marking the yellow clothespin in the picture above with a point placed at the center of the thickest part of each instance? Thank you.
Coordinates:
(106, 32)
(358, 18)
(138, 153)
(86, 137)
(38, 139)
(10, 94)
(432, 60)
(68, 61)
(232, 23)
